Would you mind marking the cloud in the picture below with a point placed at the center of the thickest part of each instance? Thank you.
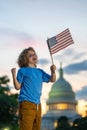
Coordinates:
(70, 54)
(14, 33)
(64, 53)
(82, 94)
(79, 55)
(43, 61)
(10, 38)
(76, 67)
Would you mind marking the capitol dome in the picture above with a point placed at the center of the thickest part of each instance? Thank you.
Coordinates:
(61, 91)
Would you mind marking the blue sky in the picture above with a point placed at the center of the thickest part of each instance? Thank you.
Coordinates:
(25, 23)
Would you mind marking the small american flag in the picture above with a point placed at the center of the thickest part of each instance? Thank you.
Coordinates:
(60, 41)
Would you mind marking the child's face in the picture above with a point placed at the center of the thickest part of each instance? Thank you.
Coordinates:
(32, 57)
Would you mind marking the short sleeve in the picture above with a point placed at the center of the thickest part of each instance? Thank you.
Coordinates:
(46, 77)
(20, 76)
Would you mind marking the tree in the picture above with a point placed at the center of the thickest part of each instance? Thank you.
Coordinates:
(80, 123)
(63, 124)
(8, 102)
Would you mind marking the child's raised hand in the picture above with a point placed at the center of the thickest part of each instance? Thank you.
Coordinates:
(13, 70)
(52, 68)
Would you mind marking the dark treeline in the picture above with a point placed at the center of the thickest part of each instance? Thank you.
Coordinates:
(8, 106)
(78, 124)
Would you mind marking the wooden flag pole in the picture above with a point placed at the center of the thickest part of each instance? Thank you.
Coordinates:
(49, 51)
(52, 59)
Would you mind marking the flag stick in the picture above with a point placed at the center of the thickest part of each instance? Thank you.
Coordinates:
(49, 50)
(52, 59)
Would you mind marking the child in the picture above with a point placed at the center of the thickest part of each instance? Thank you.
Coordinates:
(29, 80)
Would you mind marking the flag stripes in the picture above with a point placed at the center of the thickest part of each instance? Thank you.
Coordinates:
(62, 40)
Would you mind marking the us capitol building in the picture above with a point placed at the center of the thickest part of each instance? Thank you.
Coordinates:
(61, 102)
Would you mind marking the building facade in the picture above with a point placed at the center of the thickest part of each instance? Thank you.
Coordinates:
(61, 102)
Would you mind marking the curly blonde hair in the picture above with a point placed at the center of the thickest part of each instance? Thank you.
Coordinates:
(23, 57)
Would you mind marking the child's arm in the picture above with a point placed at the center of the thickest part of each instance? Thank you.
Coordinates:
(17, 85)
(53, 75)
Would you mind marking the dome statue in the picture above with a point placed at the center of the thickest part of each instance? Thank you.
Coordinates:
(61, 91)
